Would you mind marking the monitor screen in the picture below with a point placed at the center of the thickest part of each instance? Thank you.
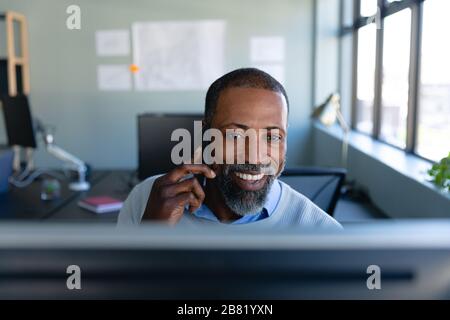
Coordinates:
(18, 121)
(411, 260)
(154, 139)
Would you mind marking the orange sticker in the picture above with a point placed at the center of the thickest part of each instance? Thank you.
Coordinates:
(134, 68)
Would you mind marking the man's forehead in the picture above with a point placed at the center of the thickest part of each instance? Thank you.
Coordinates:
(261, 107)
(233, 94)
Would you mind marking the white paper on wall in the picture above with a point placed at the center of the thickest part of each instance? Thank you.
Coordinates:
(178, 55)
(267, 49)
(114, 77)
(112, 43)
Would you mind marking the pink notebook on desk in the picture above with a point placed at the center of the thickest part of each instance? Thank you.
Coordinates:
(102, 204)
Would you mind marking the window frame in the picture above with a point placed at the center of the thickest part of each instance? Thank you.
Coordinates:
(385, 9)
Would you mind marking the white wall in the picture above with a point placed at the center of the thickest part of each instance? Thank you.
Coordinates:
(101, 127)
(326, 48)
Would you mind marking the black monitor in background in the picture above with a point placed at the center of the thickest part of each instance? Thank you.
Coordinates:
(4, 77)
(154, 141)
(18, 121)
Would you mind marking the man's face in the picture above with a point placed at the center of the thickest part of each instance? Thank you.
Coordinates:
(261, 114)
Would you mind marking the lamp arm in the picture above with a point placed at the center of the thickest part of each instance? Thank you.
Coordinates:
(346, 129)
(63, 155)
(76, 163)
(342, 121)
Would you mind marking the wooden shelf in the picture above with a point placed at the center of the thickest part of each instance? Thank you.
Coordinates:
(15, 70)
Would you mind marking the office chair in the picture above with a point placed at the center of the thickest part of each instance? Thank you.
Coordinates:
(321, 185)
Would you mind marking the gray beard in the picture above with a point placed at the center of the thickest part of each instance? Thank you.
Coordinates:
(242, 202)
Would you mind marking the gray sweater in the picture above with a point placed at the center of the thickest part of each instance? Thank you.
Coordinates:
(293, 209)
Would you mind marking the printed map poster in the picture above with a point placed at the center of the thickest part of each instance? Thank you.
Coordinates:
(178, 55)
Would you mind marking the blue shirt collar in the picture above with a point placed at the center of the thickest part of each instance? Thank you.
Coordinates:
(273, 197)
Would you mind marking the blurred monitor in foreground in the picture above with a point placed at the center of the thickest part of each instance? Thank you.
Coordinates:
(377, 261)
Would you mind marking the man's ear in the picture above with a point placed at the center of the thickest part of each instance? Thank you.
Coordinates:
(205, 126)
(204, 143)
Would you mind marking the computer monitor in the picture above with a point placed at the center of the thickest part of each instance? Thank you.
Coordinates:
(154, 141)
(4, 77)
(18, 121)
(156, 262)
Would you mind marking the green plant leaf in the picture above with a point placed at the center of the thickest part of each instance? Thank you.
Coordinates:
(440, 173)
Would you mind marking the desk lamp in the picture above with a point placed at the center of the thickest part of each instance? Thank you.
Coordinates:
(327, 113)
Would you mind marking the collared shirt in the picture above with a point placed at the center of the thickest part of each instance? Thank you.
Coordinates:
(273, 197)
(284, 207)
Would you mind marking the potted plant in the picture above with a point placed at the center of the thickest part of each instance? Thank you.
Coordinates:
(440, 174)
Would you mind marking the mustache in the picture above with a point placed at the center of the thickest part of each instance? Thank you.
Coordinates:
(267, 169)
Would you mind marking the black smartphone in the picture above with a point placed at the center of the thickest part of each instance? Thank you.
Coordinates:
(201, 178)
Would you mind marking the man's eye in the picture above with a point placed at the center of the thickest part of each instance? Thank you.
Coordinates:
(274, 138)
(234, 135)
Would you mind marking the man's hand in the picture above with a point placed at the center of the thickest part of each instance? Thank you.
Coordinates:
(172, 192)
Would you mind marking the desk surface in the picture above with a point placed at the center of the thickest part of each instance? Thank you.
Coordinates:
(25, 203)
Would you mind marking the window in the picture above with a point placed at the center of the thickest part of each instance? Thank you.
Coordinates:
(395, 77)
(433, 140)
(401, 73)
(365, 86)
(368, 8)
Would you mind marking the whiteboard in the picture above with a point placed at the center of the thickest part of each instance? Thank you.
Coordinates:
(178, 55)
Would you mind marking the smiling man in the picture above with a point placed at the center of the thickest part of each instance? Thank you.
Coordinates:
(240, 192)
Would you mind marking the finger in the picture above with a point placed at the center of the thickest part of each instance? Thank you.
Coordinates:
(197, 158)
(197, 190)
(179, 172)
(194, 203)
(187, 198)
(189, 185)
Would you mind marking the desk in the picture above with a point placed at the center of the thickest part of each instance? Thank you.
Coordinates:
(25, 203)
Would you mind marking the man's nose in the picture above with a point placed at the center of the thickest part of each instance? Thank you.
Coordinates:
(256, 151)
